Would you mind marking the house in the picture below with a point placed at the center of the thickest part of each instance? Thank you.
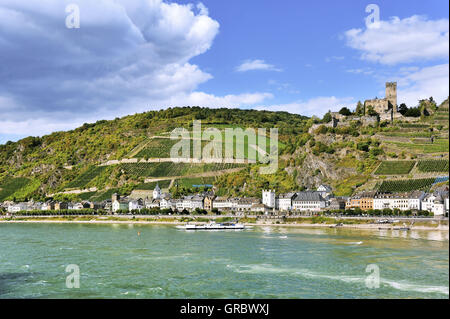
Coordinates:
(208, 203)
(152, 203)
(362, 200)
(324, 190)
(336, 203)
(222, 203)
(49, 205)
(246, 203)
(136, 204)
(61, 205)
(285, 201)
(19, 207)
(308, 201)
(120, 204)
(259, 208)
(401, 201)
(197, 201)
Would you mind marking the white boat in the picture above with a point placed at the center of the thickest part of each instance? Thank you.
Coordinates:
(214, 226)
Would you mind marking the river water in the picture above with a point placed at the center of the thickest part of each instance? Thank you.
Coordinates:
(148, 261)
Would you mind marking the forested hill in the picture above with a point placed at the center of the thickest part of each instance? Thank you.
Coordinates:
(131, 153)
(42, 159)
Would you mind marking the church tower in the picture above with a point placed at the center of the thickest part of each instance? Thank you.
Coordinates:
(157, 192)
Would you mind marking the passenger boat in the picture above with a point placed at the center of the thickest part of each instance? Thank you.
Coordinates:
(214, 226)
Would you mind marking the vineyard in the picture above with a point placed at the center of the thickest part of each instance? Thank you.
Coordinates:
(395, 167)
(167, 169)
(83, 179)
(160, 148)
(9, 186)
(195, 182)
(433, 165)
(151, 186)
(406, 185)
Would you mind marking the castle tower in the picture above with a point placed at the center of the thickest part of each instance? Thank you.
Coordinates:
(268, 198)
(115, 197)
(391, 94)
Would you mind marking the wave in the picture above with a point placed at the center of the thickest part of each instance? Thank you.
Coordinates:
(399, 285)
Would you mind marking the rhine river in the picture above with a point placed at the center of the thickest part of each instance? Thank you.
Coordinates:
(164, 262)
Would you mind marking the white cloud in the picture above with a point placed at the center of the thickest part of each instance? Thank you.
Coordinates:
(315, 106)
(402, 40)
(423, 83)
(251, 65)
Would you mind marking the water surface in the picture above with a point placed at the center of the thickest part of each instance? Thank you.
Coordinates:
(163, 262)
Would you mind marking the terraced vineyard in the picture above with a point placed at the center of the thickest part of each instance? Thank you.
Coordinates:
(101, 196)
(395, 167)
(406, 185)
(433, 165)
(151, 186)
(167, 169)
(83, 179)
(11, 185)
(195, 182)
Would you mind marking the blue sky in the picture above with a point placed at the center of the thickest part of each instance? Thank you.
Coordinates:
(130, 56)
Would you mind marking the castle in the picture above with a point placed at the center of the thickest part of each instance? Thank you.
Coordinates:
(387, 108)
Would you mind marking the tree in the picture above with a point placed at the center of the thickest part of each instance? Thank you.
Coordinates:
(371, 111)
(345, 111)
(360, 109)
(403, 109)
(327, 117)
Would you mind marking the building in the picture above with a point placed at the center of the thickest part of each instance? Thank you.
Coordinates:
(61, 205)
(401, 201)
(362, 200)
(157, 192)
(19, 207)
(386, 107)
(246, 204)
(285, 201)
(120, 204)
(324, 190)
(308, 201)
(268, 198)
(209, 202)
(436, 203)
(336, 204)
(222, 203)
(135, 204)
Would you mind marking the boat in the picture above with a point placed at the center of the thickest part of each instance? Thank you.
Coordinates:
(214, 226)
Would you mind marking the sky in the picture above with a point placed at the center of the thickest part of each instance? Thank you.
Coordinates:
(131, 56)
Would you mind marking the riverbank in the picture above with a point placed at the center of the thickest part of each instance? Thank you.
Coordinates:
(441, 225)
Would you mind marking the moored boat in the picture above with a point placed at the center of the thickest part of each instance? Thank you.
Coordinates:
(214, 226)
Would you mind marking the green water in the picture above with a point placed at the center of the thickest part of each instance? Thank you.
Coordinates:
(164, 262)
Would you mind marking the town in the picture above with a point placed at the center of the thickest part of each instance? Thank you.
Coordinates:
(306, 203)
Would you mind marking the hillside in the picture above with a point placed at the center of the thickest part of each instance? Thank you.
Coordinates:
(131, 153)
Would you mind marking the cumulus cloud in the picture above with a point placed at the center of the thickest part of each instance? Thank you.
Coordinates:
(250, 65)
(402, 40)
(416, 84)
(127, 56)
(316, 106)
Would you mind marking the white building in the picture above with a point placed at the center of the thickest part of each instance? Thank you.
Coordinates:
(268, 198)
(324, 190)
(135, 205)
(119, 204)
(157, 192)
(435, 203)
(401, 201)
(308, 201)
(222, 203)
(285, 201)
